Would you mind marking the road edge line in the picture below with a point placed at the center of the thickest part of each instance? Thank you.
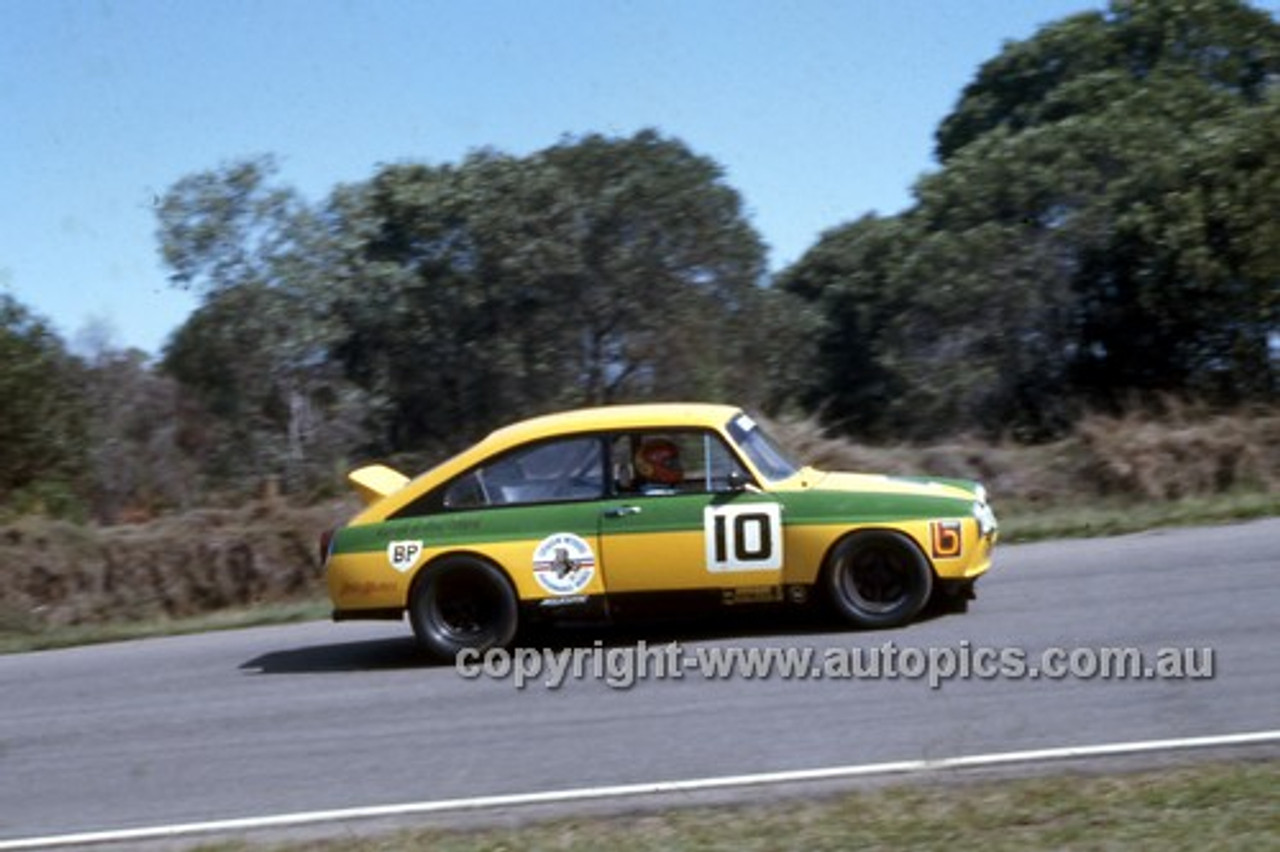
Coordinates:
(477, 803)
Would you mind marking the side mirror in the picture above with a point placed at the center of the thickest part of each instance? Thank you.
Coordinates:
(737, 481)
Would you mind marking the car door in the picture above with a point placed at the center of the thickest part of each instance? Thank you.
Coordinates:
(688, 524)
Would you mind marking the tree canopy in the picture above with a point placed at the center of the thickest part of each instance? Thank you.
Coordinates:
(1103, 224)
(452, 298)
(42, 414)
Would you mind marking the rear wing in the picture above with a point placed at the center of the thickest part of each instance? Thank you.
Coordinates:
(375, 481)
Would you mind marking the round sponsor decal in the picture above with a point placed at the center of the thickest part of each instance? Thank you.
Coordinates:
(564, 564)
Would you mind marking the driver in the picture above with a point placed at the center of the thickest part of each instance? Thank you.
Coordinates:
(657, 461)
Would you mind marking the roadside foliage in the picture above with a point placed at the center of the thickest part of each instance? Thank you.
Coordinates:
(1099, 237)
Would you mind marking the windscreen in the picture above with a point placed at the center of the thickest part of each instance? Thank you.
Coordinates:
(772, 462)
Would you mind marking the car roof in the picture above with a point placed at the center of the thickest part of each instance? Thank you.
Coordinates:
(611, 417)
(583, 420)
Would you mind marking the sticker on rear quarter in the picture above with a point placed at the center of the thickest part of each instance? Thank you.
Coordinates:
(404, 555)
(564, 564)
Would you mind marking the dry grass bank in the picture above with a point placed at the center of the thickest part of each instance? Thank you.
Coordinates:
(58, 574)
(1186, 453)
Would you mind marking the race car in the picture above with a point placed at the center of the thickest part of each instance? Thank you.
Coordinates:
(598, 512)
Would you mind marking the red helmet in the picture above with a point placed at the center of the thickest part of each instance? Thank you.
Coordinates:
(658, 460)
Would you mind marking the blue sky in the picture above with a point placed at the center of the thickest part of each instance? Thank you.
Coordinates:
(819, 110)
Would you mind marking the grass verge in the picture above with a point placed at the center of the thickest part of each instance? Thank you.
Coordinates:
(1022, 521)
(1207, 806)
(18, 638)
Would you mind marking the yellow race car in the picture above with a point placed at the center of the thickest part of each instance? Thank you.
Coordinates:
(596, 512)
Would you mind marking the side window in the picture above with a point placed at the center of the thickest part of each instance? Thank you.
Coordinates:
(672, 462)
(551, 472)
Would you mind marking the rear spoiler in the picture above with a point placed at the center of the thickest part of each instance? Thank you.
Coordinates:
(375, 481)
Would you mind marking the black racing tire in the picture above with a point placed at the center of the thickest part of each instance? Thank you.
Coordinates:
(463, 602)
(877, 579)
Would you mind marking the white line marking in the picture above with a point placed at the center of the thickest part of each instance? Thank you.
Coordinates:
(973, 761)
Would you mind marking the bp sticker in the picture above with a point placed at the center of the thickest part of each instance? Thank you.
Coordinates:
(564, 564)
(404, 555)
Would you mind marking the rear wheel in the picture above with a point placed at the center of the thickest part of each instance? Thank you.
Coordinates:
(463, 602)
(878, 579)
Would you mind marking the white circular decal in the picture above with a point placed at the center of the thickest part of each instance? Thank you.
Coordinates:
(564, 564)
(404, 555)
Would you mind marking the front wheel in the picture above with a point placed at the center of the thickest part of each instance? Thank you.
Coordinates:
(463, 602)
(878, 579)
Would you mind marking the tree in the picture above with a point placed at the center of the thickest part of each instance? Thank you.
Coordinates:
(1192, 268)
(139, 457)
(849, 279)
(431, 328)
(441, 301)
(255, 355)
(1143, 139)
(662, 273)
(42, 417)
(1088, 61)
(598, 270)
(1103, 223)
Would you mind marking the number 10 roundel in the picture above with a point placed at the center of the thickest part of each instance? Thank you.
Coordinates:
(744, 538)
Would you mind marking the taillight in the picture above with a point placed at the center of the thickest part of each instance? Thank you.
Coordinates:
(326, 545)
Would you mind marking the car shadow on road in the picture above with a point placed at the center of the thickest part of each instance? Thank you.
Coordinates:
(399, 653)
(363, 656)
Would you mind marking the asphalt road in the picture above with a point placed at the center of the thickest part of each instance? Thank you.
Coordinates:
(327, 716)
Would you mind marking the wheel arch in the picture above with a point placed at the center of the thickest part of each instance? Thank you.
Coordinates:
(828, 557)
(420, 573)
